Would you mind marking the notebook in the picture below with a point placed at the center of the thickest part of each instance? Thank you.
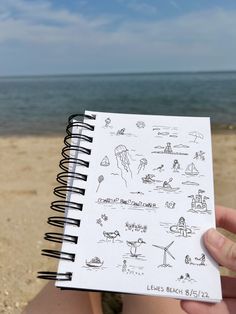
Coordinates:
(136, 197)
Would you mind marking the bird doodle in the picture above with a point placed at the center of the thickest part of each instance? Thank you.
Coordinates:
(134, 245)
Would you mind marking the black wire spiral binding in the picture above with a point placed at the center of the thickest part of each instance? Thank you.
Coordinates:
(67, 164)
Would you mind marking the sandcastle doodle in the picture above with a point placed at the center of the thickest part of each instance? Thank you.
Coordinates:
(199, 203)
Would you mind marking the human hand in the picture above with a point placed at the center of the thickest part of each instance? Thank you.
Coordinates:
(223, 250)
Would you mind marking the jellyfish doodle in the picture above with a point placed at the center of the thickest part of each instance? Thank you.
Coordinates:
(123, 162)
(142, 164)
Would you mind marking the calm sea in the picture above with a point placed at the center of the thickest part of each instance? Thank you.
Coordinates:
(41, 105)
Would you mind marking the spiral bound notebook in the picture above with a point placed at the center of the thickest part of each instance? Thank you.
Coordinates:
(136, 195)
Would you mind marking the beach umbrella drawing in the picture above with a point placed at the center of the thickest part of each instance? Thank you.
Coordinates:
(197, 135)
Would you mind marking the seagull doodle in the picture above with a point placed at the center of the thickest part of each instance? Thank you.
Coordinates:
(111, 235)
(166, 251)
(133, 246)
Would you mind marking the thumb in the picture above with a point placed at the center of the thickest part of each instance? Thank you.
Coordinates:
(222, 249)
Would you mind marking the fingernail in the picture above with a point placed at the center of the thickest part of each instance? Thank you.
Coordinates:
(215, 239)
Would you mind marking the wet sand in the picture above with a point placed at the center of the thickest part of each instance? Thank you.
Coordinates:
(28, 170)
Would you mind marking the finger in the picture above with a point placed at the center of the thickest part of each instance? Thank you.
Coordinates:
(224, 307)
(228, 287)
(226, 218)
(222, 249)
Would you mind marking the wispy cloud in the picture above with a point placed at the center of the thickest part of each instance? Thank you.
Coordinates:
(46, 39)
(174, 4)
(140, 6)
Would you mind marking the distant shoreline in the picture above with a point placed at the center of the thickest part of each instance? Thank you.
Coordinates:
(216, 128)
(23, 76)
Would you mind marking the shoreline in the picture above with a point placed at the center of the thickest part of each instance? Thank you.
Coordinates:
(216, 128)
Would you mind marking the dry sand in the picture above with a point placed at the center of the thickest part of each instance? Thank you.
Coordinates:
(28, 170)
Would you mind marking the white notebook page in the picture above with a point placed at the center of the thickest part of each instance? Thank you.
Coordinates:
(149, 199)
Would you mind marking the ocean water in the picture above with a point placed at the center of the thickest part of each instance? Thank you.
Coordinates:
(41, 105)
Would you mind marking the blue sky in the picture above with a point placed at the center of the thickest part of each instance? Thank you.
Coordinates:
(105, 36)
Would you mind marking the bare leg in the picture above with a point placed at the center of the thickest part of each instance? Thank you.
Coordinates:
(133, 304)
(52, 300)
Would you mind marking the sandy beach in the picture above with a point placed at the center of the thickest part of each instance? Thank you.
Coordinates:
(28, 175)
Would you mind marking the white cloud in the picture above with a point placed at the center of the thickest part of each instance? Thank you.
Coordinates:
(46, 39)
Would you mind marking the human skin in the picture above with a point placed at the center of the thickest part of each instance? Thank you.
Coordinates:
(223, 250)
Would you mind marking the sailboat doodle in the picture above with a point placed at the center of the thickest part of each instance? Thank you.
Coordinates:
(191, 170)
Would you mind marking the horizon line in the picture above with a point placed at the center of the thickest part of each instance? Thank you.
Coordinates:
(116, 73)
